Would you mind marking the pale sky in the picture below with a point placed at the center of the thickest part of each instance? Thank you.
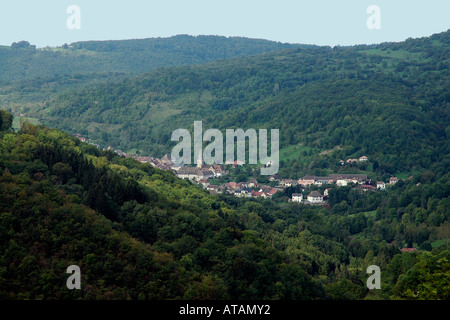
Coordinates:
(321, 22)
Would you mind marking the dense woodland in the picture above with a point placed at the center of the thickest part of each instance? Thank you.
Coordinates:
(141, 233)
(386, 102)
(138, 232)
(23, 61)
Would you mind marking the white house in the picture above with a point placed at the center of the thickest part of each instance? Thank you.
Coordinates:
(381, 185)
(315, 197)
(297, 197)
(393, 180)
(342, 182)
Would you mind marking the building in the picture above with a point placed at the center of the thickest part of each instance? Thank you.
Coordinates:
(367, 187)
(359, 178)
(193, 173)
(326, 191)
(288, 182)
(306, 180)
(204, 182)
(318, 181)
(393, 180)
(315, 197)
(381, 185)
(274, 178)
(167, 159)
(363, 159)
(342, 182)
(408, 249)
(297, 197)
(252, 183)
(244, 193)
(218, 170)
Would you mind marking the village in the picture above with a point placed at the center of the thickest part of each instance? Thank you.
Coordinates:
(203, 175)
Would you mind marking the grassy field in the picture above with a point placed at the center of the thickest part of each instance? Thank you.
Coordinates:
(399, 54)
(294, 152)
(439, 243)
(16, 121)
(371, 214)
(406, 175)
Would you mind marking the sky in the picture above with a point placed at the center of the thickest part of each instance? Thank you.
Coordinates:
(322, 22)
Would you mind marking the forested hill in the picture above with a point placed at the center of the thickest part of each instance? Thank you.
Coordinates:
(387, 101)
(22, 61)
(137, 232)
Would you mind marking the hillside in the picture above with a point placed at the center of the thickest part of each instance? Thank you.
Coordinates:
(389, 102)
(140, 233)
(22, 61)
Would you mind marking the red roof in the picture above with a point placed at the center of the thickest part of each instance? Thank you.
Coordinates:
(408, 249)
(273, 191)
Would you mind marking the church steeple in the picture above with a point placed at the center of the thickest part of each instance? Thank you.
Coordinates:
(200, 160)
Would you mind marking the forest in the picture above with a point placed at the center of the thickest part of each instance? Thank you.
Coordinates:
(23, 61)
(386, 102)
(141, 233)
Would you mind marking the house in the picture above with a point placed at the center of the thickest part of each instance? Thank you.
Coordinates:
(244, 193)
(211, 187)
(409, 249)
(351, 160)
(266, 195)
(167, 159)
(274, 178)
(341, 162)
(205, 183)
(315, 197)
(393, 180)
(363, 159)
(273, 191)
(306, 180)
(381, 185)
(234, 163)
(218, 170)
(257, 194)
(359, 178)
(252, 183)
(342, 182)
(264, 188)
(366, 187)
(325, 192)
(297, 197)
(318, 181)
(193, 173)
(288, 183)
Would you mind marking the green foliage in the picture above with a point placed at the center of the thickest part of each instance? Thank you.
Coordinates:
(427, 279)
(326, 97)
(22, 61)
(6, 120)
(140, 233)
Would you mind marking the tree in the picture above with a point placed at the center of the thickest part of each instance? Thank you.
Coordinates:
(6, 120)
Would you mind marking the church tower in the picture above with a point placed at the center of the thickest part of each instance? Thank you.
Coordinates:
(200, 160)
